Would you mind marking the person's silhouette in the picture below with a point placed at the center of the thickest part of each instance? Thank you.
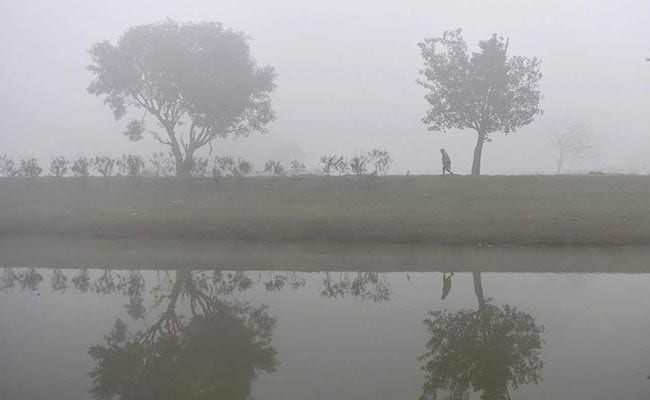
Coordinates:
(446, 162)
(446, 285)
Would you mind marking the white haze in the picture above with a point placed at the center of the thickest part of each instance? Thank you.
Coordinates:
(347, 72)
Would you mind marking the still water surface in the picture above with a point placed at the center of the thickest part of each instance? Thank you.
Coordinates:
(143, 334)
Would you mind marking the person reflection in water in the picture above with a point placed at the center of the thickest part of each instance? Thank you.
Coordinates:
(446, 284)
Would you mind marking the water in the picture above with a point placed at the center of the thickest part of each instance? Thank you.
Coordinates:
(286, 335)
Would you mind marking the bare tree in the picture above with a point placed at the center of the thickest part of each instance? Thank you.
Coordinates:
(359, 164)
(573, 141)
(380, 160)
(330, 163)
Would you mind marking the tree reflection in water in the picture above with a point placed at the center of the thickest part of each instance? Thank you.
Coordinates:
(487, 350)
(215, 351)
(371, 286)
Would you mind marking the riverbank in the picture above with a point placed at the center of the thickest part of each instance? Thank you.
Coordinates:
(499, 211)
(173, 254)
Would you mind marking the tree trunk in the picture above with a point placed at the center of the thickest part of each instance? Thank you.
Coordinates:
(188, 165)
(181, 171)
(478, 290)
(183, 164)
(478, 150)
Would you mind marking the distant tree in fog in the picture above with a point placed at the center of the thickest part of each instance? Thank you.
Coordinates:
(486, 91)
(105, 165)
(29, 168)
(198, 81)
(59, 166)
(572, 141)
(81, 168)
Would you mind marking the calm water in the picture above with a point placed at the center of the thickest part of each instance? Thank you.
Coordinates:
(92, 333)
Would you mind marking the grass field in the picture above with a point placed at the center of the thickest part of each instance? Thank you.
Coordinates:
(431, 210)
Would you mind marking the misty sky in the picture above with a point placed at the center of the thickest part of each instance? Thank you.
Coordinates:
(347, 72)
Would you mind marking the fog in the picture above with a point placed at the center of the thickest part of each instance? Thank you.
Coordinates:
(346, 77)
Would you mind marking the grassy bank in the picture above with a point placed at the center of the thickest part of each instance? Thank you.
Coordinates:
(216, 255)
(431, 210)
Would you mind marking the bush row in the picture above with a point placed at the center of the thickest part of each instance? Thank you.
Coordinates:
(375, 162)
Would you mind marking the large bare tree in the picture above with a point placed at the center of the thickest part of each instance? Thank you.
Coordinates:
(487, 91)
(197, 80)
(573, 141)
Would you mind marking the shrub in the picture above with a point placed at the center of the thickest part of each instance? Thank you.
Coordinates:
(341, 166)
(226, 165)
(199, 167)
(8, 167)
(296, 168)
(276, 168)
(105, 165)
(81, 168)
(359, 164)
(131, 165)
(330, 163)
(380, 161)
(59, 166)
(221, 165)
(163, 164)
(30, 168)
(243, 168)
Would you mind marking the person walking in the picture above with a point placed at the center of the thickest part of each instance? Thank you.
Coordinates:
(446, 162)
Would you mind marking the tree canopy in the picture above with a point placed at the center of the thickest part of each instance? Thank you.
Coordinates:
(487, 91)
(197, 80)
